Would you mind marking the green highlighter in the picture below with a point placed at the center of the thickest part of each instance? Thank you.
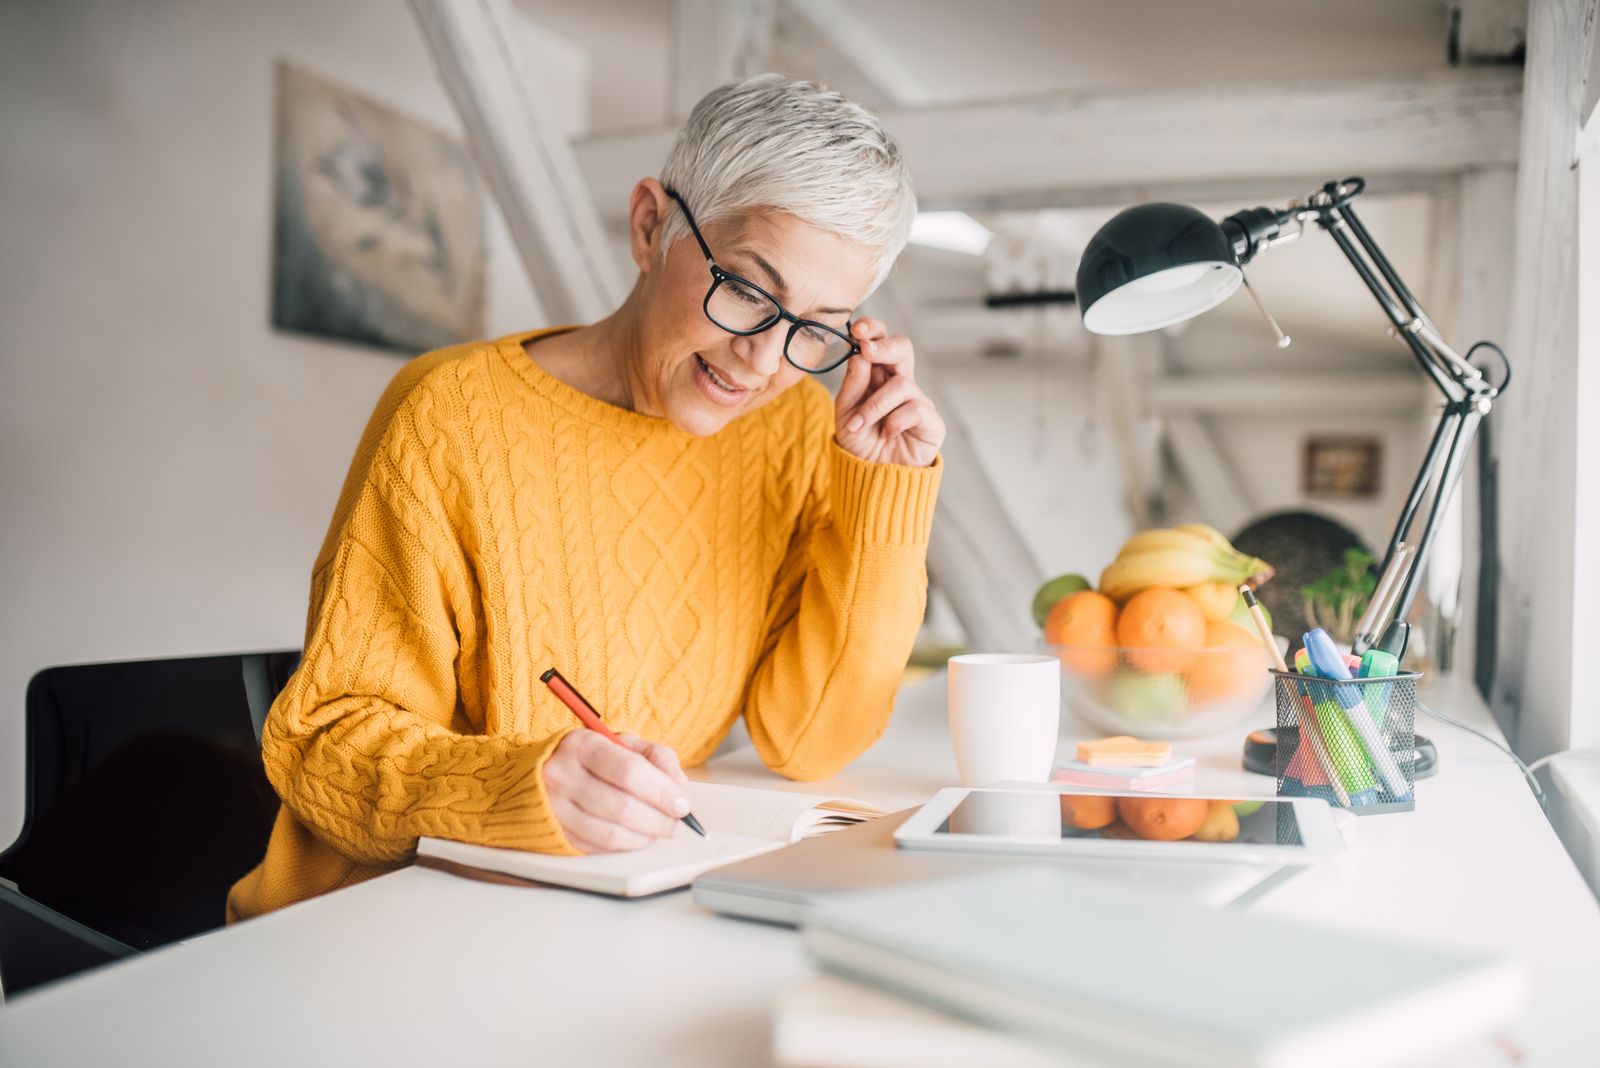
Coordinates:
(1383, 661)
(1339, 738)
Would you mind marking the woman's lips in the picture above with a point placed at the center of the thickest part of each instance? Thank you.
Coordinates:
(705, 377)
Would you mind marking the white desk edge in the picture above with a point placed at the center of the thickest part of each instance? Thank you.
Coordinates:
(417, 964)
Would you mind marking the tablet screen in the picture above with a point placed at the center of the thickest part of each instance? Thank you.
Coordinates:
(1128, 817)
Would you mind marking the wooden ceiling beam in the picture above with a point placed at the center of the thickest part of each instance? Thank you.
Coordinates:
(715, 42)
(1214, 143)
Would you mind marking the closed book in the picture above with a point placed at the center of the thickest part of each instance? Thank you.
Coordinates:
(1122, 977)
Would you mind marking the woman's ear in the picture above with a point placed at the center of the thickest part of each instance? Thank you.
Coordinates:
(647, 211)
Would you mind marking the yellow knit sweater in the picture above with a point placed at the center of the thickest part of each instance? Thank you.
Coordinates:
(496, 522)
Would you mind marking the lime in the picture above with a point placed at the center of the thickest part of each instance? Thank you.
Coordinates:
(1053, 591)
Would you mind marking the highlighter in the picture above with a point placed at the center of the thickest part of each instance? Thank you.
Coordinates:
(1377, 664)
(1335, 746)
(1330, 663)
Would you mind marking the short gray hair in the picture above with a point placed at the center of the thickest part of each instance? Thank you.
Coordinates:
(796, 147)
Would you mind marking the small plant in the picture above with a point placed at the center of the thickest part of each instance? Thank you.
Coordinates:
(1336, 601)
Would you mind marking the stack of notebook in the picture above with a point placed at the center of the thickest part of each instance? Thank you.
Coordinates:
(1093, 975)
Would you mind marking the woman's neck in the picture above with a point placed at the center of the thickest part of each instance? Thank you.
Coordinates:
(596, 359)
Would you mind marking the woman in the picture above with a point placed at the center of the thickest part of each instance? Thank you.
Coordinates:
(665, 505)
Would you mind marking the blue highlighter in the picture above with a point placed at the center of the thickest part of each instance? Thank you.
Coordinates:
(1341, 748)
(1330, 664)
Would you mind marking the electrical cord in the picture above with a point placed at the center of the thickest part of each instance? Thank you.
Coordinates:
(1505, 362)
(1527, 772)
(1542, 761)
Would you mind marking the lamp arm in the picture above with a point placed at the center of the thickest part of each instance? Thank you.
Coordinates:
(1400, 317)
(1468, 394)
(1466, 416)
(1416, 320)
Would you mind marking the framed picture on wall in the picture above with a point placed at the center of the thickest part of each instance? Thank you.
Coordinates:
(1341, 467)
(378, 233)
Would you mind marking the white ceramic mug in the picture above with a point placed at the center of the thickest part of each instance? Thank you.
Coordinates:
(1005, 715)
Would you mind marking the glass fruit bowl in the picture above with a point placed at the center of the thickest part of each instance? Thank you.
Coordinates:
(1152, 692)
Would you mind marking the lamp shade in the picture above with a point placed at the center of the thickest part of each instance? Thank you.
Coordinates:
(1154, 265)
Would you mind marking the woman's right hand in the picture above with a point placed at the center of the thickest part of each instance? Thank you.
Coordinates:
(608, 798)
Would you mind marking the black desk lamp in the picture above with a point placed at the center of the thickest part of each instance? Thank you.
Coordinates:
(1158, 264)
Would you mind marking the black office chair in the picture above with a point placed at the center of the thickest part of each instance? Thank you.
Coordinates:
(146, 800)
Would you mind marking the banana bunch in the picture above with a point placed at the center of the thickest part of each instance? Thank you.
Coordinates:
(1178, 557)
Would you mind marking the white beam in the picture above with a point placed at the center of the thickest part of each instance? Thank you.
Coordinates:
(1489, 31)
(866, 52)
(1586, 572)
(1591, 90)
(715, 42)
(1290, 392)
(977, 556)
(1541, 691)
(1485, 224)
(1195, 144)
(1214, 485)
(1137, 449)
(522, 155)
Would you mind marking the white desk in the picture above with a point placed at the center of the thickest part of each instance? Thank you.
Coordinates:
(422, 967)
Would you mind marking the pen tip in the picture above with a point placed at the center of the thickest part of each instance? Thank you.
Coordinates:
(694, 825)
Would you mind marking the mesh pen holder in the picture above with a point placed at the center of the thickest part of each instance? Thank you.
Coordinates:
(1351, 743)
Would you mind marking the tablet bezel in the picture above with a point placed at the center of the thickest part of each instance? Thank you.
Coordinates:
(1314, 818)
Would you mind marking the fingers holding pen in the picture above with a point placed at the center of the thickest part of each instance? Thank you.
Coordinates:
(662, 756)
(607, 797)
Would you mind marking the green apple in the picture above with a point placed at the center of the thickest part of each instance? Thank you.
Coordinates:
(1141, 696)
(1247, 808)
(1053, 591)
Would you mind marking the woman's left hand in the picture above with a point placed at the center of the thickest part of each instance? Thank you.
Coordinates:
(881, 414)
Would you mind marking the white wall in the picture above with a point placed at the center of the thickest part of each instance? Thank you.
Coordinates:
(1268, 455)
(1542, 677)
(1044, 435)
(168, 462)
(1046, 439)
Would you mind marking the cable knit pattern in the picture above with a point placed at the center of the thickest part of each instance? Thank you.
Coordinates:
(496, 522)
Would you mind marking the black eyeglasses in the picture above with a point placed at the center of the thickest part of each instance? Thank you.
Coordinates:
(741, 307)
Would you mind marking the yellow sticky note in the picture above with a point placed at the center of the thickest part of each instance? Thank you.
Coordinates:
(1125, 751)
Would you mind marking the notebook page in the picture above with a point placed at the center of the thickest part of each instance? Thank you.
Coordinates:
(771, 813)
(669, 863)
(835, 816)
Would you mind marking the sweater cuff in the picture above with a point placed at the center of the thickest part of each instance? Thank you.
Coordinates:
(521, 817)
(883, 504)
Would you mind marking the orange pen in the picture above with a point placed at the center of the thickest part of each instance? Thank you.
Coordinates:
(591, 719)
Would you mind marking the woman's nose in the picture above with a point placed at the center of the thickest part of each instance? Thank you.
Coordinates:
(763, 351)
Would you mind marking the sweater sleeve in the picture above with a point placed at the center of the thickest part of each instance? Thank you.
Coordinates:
(367, 745)
(845, 610)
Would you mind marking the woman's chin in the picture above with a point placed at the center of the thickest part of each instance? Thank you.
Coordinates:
(693, 415)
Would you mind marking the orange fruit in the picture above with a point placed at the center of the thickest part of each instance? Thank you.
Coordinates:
(1165, 819)
(1215, 599)
(1163, 630)
(1232, 662)
(1088, 811)
(1086, 622)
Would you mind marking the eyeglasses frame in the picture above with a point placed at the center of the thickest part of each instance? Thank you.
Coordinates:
(720, 276)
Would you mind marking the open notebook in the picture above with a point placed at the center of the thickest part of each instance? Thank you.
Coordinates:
(740, 822)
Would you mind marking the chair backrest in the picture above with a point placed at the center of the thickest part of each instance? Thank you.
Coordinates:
(146, 797)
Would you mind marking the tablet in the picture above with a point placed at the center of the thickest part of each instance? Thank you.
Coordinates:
(1072, 822)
